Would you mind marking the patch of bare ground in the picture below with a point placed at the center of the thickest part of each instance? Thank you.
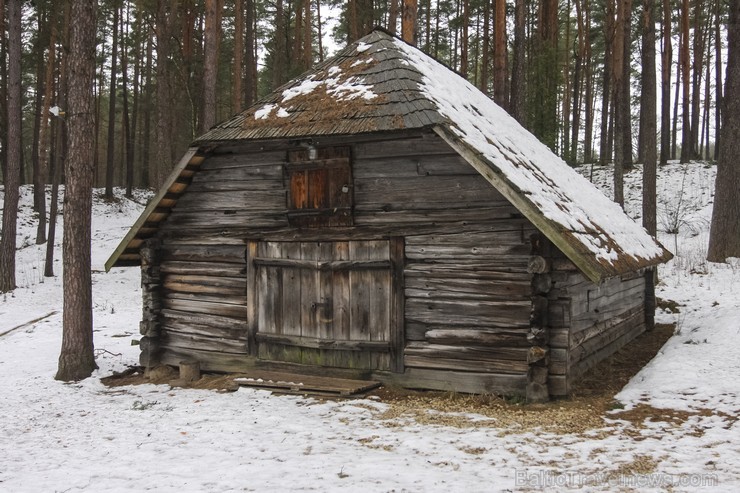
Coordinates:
(167, 375)
(591, 398)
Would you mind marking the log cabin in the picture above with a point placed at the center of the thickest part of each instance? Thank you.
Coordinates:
(380, 217)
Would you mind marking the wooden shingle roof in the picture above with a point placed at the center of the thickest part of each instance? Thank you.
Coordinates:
(381, 84)
(366, 87)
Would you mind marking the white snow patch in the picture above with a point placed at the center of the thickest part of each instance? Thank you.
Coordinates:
(342, 89)
(362, 47)
(264, 112)
(306, 86)
(282, 113)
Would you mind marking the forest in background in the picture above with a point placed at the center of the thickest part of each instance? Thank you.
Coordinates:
(576, 73)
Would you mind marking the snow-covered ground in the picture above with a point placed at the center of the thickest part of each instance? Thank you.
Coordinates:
(88, 437)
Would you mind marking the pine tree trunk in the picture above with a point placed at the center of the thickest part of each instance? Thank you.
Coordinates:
(279, 62)
(665, 104)
(12, 175)
(110, 149)
(408, 21)
(428, 24)
(210, 63)
(622, 131)
(250, 72)
(697, 71)
(77, 357)
(686, 151)
(605, 154)
(320, 32)
(60, 148)
(237, 93)
(718, 74)
(38, 51)
(44, 136)
(485, 61)
(650, 122)
(164, 103)
(464, 39)
(588, 154)
(518, 106)
(3, 94)
(127, 128)
(500, 55)
(307, 36)
(392, 16)
(724, 236)
(147, 179)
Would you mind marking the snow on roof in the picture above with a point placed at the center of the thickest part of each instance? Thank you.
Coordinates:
(561, 194)
(380, 83)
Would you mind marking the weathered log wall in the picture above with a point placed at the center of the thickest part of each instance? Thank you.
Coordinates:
(589, 322)
(468, 295)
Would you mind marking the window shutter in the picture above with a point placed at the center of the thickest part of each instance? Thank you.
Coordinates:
(320, 192)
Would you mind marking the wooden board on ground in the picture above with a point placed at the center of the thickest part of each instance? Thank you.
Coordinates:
(305, 384)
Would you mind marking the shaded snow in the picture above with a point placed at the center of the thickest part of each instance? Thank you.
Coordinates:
(87, 437)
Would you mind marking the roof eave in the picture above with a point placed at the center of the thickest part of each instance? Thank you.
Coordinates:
(586, 263)
(193, 157)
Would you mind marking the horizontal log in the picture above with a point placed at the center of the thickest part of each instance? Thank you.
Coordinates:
(505, 232)
(491, 289)
(492, 366)
(486, 353)
(482, 215)
(578, 369)
(580, 348)
(208, 308)
(411, 166)
(218, 361)
(189, 328)
(475, 314)
(452, 272)
(224, 221)
(171, 316)
(579, 336)
(211, 269)
(244, 158)
(456, 381)
(478, 337)
(517, 253)
(204, 253)
(169, 339)
(256, 186)
(239, 299)
(232, 200)
(419, 146)
(333, 265)
(205, 284)
(583, 321)
(316, 343)
(239, 172)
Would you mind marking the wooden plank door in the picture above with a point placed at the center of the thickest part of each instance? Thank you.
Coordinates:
(325, 303)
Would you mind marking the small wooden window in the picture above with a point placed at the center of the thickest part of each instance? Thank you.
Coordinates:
(320, 189)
